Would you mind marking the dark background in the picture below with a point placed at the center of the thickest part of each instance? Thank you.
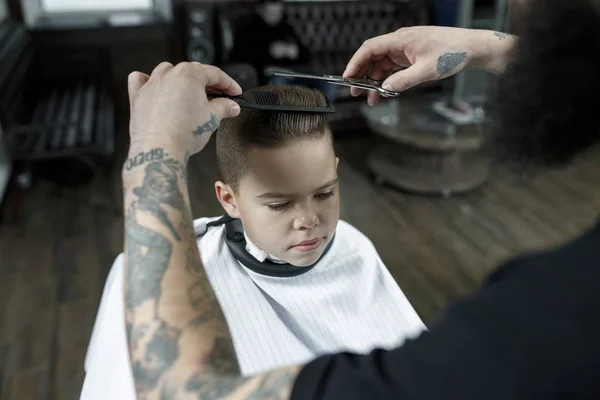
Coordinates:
(61, 222)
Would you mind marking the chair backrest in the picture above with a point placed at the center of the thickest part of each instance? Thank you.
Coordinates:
(334, 30)
(16, 59)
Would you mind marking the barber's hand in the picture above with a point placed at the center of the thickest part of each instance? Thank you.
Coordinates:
(170, 108)
(427, 52)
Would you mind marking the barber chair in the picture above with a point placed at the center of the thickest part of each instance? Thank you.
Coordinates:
(57, 113)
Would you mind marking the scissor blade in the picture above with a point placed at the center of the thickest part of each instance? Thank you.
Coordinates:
(292, 74)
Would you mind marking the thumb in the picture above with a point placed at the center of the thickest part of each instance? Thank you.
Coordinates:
(134, 82)
(225, 108)
(407, 78)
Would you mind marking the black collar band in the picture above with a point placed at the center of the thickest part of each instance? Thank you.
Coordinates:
(235, 240)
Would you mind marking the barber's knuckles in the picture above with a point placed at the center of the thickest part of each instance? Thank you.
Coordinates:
(172, 107)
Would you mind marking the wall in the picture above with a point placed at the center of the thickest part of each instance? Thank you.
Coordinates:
(94, 5)
(3, 9)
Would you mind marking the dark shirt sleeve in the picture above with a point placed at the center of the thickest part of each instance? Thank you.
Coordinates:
(524, 335)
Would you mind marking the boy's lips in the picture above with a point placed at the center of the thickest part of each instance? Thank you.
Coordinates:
(308, 245)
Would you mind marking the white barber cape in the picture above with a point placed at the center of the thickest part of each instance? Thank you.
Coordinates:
(347, 302)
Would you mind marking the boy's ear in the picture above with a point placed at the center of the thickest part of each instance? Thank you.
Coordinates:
(227, 199)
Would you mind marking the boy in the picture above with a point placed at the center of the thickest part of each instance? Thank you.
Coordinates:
(293, 280)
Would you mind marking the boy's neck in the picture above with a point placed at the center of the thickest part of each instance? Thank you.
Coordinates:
(259, 253)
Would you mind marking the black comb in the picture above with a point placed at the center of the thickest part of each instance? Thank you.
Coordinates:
(263, 100)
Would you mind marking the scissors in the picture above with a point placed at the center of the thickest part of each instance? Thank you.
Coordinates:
(361, 83)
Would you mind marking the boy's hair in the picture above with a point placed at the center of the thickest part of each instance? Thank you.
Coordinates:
(268, 129)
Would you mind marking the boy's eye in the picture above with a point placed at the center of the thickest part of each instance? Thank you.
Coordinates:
(324, 196)
(278, 206)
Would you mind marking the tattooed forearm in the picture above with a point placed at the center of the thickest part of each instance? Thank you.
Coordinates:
(180, 346)
(449, 61)
(210, 126)
(153, 342)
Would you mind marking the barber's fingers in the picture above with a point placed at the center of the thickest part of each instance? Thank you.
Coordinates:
(161, 69)
(135, 81)
(372, 50)
(216, 78)
(409, 77)
(379, 71)
(224, 108)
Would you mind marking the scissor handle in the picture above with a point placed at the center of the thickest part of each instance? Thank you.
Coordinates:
(367, 84)
(361, 83)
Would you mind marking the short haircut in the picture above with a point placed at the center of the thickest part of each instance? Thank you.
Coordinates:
(268, 129)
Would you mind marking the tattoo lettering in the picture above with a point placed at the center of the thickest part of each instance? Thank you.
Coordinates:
(159, 353)
(449, 61)
(210, 126)
(148, 255)
(145, 157)
(160, 187)
(502, 35)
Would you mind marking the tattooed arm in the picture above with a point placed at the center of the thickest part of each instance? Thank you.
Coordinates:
(179, 340)
(180, 346)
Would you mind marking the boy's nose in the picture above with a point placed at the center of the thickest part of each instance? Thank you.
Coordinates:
(308, 219)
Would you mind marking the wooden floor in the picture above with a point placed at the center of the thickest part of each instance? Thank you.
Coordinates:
(54, 262)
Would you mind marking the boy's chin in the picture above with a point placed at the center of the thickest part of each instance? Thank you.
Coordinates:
(305, 260)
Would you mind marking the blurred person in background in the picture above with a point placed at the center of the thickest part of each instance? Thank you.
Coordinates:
(266, 40)
(530, 332)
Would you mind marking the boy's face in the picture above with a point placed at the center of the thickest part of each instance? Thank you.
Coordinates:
(288, 200)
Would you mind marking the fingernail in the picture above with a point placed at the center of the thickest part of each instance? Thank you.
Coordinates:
(235, 109)
(387, 86)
